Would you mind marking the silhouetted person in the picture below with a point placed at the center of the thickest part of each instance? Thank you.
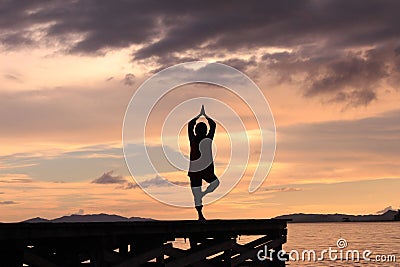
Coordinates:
(201, 160)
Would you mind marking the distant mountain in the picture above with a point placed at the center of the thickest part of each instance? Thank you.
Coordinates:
(36, 220)
(89, 218)
(301, 217)
(295, 218)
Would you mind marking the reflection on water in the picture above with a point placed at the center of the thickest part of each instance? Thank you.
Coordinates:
(381, 238)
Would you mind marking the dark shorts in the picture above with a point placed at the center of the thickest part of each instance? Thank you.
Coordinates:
(196, 178)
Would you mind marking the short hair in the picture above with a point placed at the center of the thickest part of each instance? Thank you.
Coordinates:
(201, 129)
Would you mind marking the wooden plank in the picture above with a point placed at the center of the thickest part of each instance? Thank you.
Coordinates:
(126, 229)
(111, 256)
(237, 249)
(144, 257)
(252, 252)
(198, 255)
(36, 260)
(180, 253)
(252, 244)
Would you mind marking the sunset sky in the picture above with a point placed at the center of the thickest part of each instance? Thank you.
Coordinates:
(330, 71)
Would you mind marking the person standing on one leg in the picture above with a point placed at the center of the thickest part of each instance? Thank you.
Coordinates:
(201, 160)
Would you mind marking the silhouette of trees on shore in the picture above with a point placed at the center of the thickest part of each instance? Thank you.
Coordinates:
(397, 216)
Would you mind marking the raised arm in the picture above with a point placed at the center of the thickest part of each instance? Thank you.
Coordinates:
(191, 125)
(213, 125)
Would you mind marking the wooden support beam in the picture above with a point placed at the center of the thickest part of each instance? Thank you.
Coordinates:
(36, 260)
(237, 249)
(137, 260)
(112, 256)
(252, 252)
(123, 249)
(275, 261)
(180, 253)
(11, 253)
(198, 255)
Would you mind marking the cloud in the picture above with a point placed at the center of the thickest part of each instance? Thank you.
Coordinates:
(240, 64)
(356, 97)
(357, 71)
(196, 26)
(8, 202)
(11, 77)
(385, 210)
(397, 50)
(156, 181)
(376, 135)
(65, 165)
(11, 178)
(339, 150)
(84, 119)
(79, 212)
(353, 78)
(109, 178)
(347, 51)
(129, 79)
(282, 189)
(58, 164)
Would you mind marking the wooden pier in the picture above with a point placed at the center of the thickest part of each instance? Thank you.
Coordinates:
(146, 243)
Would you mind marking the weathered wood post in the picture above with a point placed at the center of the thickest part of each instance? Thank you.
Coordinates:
(11, 253)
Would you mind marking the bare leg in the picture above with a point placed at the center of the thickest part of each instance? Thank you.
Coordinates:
(198, 196)
(200, 213)
(211, 187)
(198, 201)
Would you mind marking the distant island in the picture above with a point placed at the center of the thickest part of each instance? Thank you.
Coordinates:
(389, 215)
(102, 217)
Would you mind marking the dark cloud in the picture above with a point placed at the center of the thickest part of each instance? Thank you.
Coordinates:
(354, 72)
(359, 72)
(129, 79)
(385, 210)
(8, 202)
(166, 28)
(157, 182)
(354, 78)
(169, 60)
(397, 50)
(109, 178)
(16, 40)
(356, 97)
(240, 64)
(326, 40)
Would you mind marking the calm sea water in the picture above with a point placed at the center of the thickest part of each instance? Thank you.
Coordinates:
(382, 239)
